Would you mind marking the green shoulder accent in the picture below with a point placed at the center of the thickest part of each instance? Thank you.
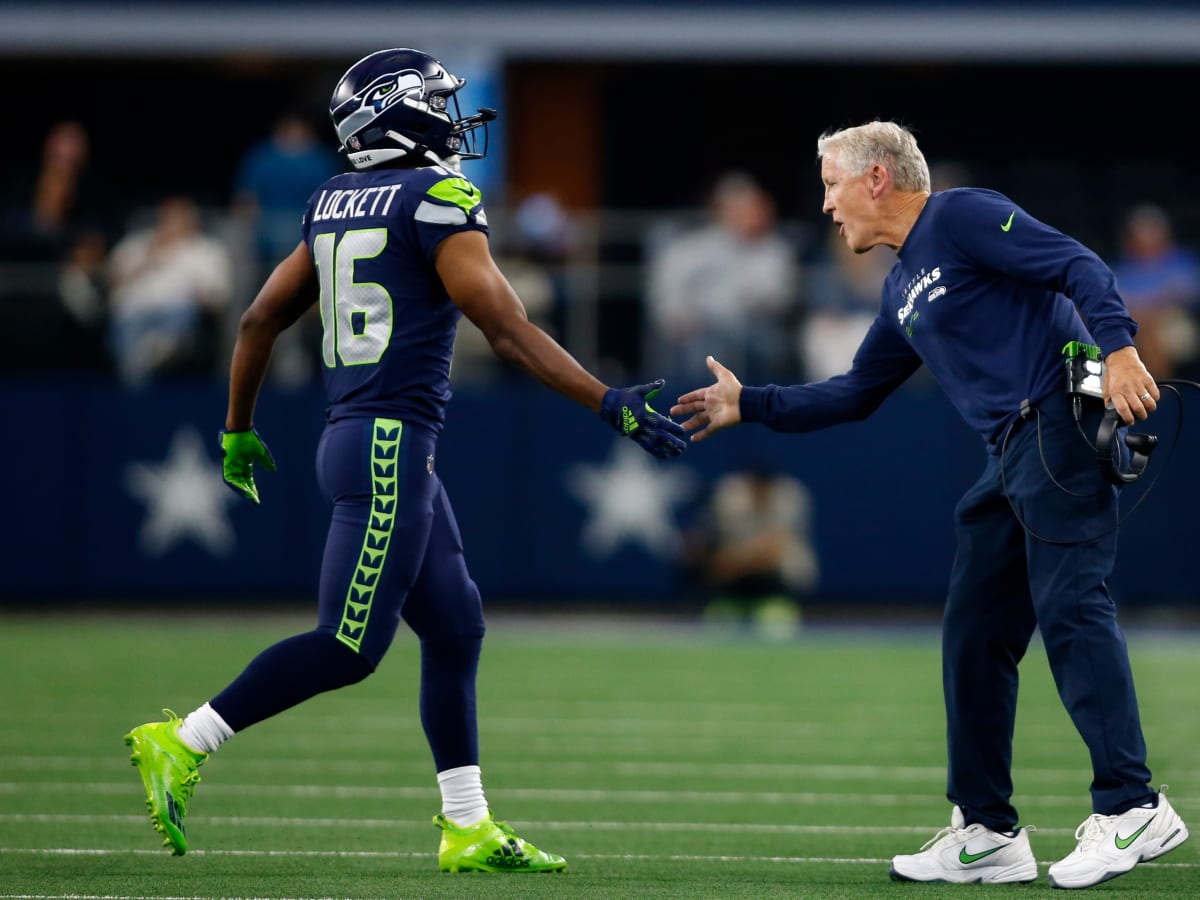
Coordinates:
(458, 191)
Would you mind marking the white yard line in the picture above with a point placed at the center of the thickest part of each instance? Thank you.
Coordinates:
(378, 792)
(394, 854)
(659, 769)
(375, 824)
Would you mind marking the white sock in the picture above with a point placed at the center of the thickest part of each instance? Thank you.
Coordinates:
(463, 802)
(203, 730)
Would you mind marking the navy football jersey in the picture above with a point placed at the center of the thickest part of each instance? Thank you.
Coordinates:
(388, 322)
(984, 295)
(987, 296)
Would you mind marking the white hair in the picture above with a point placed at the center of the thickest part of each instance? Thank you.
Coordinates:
(892, 146)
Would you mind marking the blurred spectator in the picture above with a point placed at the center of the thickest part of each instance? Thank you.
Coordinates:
(83, 295)
(273, 182)
(844, 294)
(545, 238)
(531, 250)
(60, 197)
(82, 279)
(170, 283)
(753, 552)
(728, 289)
(54, 232)
(1160, 282)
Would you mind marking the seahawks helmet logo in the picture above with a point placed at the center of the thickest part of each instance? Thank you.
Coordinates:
(385, 91)
(372, 100)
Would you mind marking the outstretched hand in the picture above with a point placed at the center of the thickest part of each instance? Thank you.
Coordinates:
(713, 408)
(629, 412)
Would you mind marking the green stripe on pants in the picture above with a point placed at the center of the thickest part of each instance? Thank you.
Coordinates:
(385, 461)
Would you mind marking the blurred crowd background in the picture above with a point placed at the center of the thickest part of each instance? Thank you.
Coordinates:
(652, 183)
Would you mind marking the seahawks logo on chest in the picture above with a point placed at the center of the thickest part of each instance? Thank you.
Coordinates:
(907, 314)
(920, 282)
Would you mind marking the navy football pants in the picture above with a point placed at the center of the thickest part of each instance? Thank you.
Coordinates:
(1004, 583)
(393, 552)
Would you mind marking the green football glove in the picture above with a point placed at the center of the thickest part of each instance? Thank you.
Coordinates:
(240, 450)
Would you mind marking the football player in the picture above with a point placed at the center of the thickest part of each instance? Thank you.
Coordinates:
(393, 251)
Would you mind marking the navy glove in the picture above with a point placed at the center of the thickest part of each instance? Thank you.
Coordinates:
(240, 450)
(626, 410)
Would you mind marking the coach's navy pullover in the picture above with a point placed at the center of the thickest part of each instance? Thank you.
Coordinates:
(979, 294)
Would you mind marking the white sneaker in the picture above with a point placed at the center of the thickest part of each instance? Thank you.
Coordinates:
(972, 854)
(1112, 845)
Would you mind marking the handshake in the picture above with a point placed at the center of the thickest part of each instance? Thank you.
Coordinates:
(629, 412)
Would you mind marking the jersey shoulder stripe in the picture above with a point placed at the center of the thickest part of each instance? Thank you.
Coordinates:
(436, 214)
(450, 200)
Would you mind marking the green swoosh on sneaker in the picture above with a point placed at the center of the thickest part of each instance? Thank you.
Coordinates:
(1007, 225)
(967, 858)
(1123, 843)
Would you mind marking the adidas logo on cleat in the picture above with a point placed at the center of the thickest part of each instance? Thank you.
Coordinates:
(508, 862)
(509, 856)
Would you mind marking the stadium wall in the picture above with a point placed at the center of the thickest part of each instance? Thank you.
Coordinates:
(115, 495)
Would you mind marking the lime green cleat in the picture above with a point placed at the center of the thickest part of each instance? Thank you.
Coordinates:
(490, 846)
(168, 769)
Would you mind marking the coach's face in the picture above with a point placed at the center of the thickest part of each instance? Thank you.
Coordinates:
(850, 202)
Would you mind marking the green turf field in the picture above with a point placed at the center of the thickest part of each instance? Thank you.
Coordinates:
(662, 762)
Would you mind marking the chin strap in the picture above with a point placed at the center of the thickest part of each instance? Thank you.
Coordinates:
(365, 159)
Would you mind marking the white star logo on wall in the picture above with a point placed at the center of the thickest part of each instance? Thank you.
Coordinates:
(630, 498)
(184, 496)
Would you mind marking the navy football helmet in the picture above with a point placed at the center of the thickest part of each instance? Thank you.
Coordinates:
(401, 103)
